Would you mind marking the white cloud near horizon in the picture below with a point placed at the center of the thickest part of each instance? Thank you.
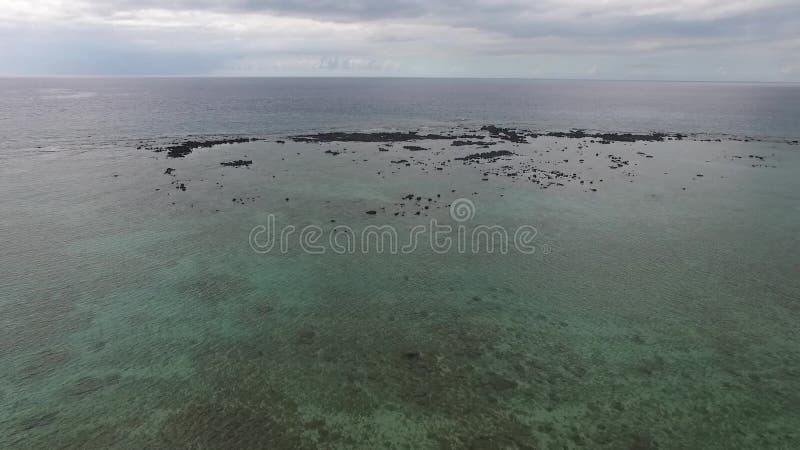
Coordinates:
(619, 39)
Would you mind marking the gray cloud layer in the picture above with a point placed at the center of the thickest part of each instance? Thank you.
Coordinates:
(641, 39)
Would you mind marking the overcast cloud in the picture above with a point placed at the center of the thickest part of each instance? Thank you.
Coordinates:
(756, 40)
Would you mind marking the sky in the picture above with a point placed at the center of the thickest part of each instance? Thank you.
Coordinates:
(714, 40)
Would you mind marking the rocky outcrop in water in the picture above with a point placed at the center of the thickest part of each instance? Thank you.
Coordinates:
(237, 163)
(394, 136)
(508, 134)
(610, 137)
(486, 155)
(517, 160)
(465, 143)
(182, 149)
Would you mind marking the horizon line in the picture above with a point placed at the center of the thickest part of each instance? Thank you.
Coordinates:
(396, 77)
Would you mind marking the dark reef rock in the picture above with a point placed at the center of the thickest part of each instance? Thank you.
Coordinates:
(628, 137)
(237, 163)
(413, 356)
(618, 162)
(574, 134)
(464, 143)
(169, 171)
(606, 138)
(486, 155)
(508, 134)
(184, 148)
(367, 137)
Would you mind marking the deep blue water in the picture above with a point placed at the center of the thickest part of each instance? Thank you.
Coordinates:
(81, 111)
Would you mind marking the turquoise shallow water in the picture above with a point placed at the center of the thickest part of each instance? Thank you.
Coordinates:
(659, 312)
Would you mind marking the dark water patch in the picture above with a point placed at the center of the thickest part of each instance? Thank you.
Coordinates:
(262, 422)
(42, 319)
(43, 363)
(242, 409)
(37, 421)
(306, 336)
(89, 385)
(257, 313)
(216, 288)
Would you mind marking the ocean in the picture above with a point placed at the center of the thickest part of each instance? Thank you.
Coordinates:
(398, 263)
